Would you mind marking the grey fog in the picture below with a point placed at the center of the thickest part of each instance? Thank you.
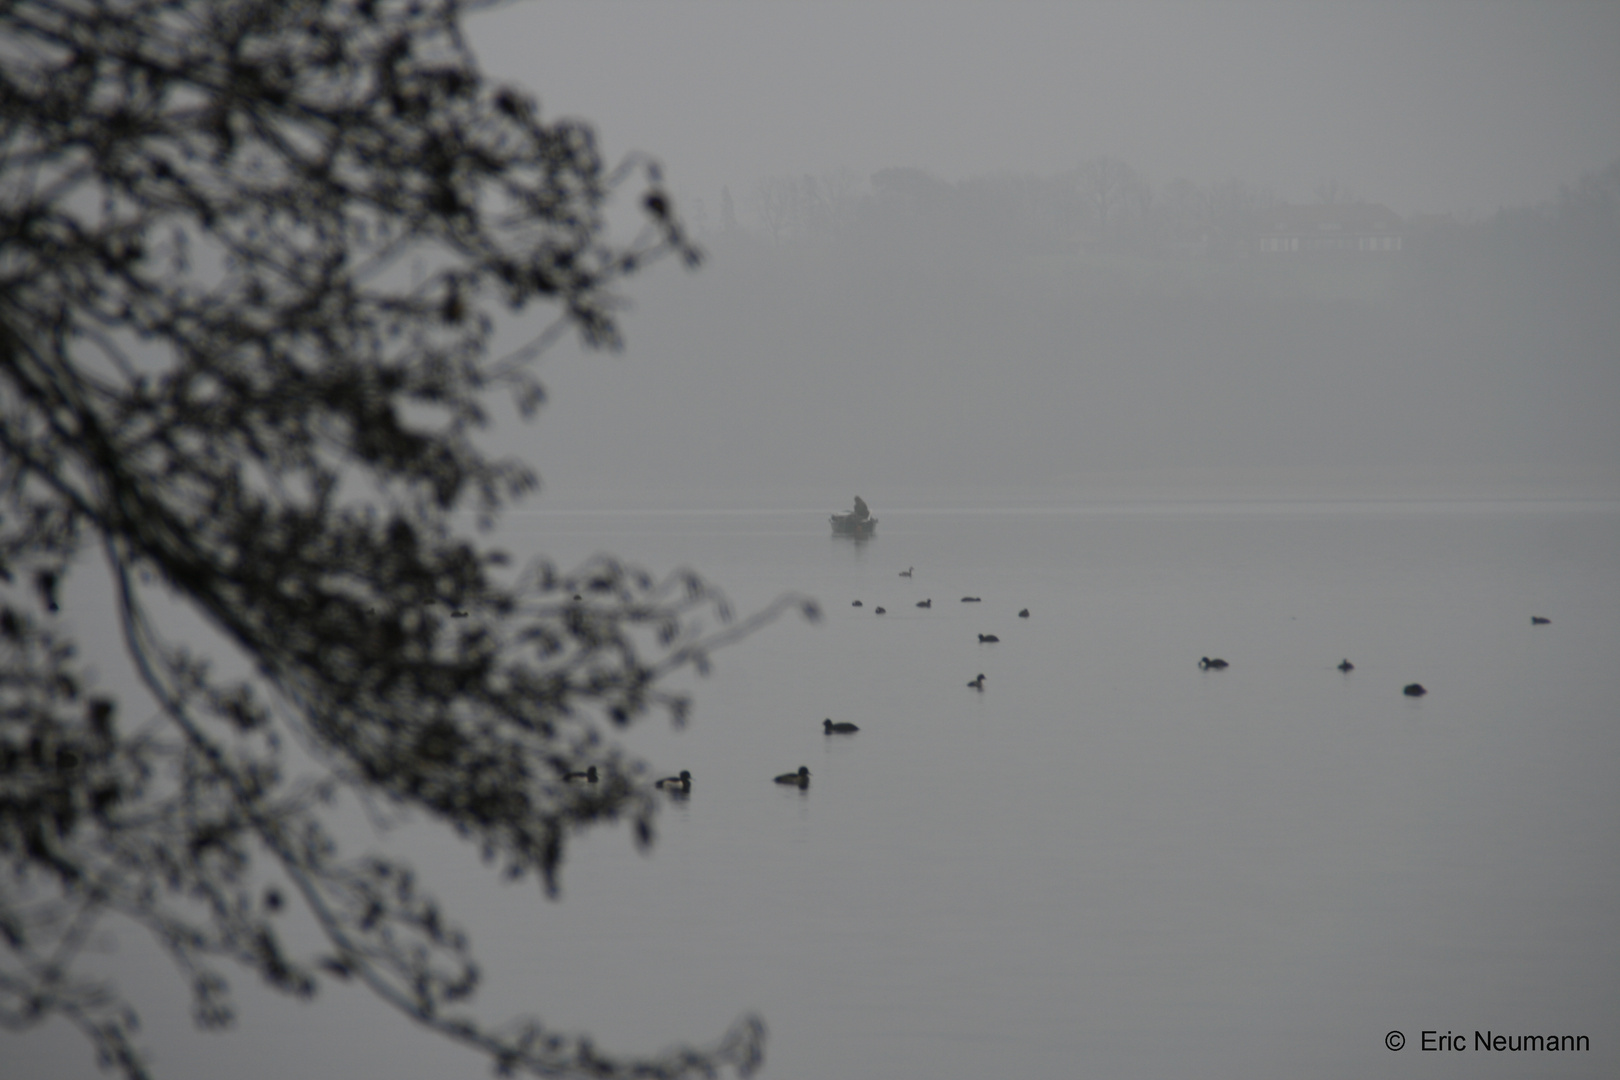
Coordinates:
(1285, 334)
(912, 287)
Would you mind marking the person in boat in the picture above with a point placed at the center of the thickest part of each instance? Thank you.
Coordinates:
(861, 511)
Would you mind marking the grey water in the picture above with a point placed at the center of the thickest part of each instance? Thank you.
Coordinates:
(1109, 862)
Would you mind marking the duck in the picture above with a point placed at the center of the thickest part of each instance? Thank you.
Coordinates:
(1216, 664)
(977, 684)
(1537, 620)
(906, 572)
(682, 782)
(928, 603)
(986, 639)
(856, 604)
(971, 600)
(1413, 690)
(1346, 666)
(589, 775)
(831, 728)
(802, 777)
(1024, 614)
(877, 611)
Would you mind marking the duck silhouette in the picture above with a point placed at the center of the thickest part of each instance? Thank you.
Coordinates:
(1413, 690)
(877, 611)
(589, 775)
(906, 572)
(926, 603)
(1024, 614)
(988, 638)
(1346, 666)
(856, 604)
(682, 782)
(831, 728)
(1216, 664)
(971, 600)
(801, 778)
(1537, 620)
(977, 684)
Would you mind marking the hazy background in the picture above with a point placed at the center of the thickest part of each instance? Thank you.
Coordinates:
(916, 297)
(971, 321)
(1466, 105)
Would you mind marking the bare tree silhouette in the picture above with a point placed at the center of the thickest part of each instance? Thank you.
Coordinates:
(214, 372)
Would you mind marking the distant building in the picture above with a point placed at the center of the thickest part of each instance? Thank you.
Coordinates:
(1330, 229)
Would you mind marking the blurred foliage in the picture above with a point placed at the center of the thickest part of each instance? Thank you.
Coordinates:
(217, 372)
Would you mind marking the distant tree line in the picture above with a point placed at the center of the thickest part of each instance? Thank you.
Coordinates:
(1105, 204)
(1546, 273)
(1580, 226)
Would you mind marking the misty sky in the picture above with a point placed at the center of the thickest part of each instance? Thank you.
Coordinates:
(1468, 105)
(889, 369)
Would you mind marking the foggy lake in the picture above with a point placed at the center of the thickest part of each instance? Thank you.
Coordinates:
(1125, 410)
(1110, 861)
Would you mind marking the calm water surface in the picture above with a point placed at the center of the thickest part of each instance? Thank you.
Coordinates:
(1112, 863)
(1109, 863)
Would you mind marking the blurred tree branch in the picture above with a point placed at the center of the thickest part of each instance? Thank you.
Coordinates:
(213, 372)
